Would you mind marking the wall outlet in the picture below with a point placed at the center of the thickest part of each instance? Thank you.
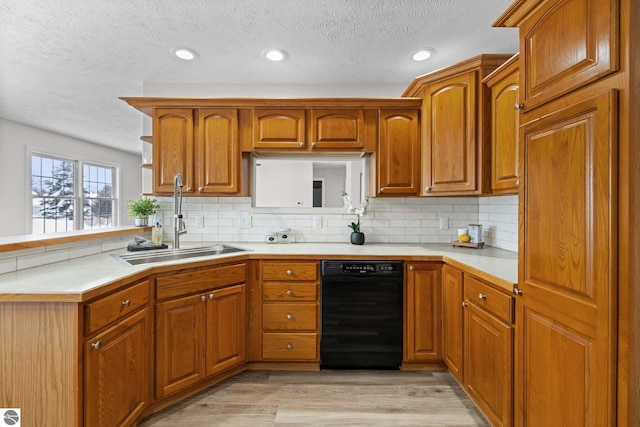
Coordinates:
(444, 223)
(317, 221)
(199, 221)
(245, 221)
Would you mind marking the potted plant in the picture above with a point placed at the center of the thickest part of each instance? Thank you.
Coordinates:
(141, 209)
(357, 236)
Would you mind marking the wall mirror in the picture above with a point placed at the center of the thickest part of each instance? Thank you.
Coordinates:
(307, 182)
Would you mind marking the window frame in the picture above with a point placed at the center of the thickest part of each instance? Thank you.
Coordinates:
(79, 162)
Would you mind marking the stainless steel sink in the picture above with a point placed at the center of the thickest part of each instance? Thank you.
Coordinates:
(151, 256)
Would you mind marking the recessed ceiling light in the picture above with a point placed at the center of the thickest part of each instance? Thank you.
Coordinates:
(184, 53)
(275, 55)
(423, 54)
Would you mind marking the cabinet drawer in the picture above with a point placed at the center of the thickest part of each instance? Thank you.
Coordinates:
(488, 298)
(115, 306)
(289, 271)
(191, 282)
(289, 346)
(287, 316)
(275, 291)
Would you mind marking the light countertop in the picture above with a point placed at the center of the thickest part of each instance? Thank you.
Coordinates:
(85, 278)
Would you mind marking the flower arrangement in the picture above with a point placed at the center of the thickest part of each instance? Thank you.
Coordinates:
(348, 204)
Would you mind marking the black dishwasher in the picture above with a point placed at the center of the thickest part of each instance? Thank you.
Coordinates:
(361, 314)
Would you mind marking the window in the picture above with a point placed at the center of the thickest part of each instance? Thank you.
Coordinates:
(69, 194)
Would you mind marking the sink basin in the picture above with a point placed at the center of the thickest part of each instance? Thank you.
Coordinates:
(151, 256)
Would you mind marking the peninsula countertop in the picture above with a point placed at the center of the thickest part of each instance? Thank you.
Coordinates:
(84, 278)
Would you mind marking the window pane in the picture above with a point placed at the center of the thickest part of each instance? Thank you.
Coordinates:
(98, 204)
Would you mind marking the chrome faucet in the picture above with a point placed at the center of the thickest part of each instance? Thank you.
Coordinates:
(178, 223)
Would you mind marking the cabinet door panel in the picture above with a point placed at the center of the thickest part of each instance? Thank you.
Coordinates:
(450, 135)
(116, 373)
(398, 156)
(179, 344)
(172, 148)
(567, 44)
(423, 300)
(337, 129)
(218, 152)
(226, 328)
(566, 336)
(489, 364)
(452, 320)
(279, 129)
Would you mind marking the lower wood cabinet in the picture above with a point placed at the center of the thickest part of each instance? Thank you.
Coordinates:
(200, 334)
(488, 350)
(422, 313)
(117, 358)
(452, 321)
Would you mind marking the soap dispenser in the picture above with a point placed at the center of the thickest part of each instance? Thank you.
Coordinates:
(156, 235)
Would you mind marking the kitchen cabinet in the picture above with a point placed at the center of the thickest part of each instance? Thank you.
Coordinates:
(488, 350)
(422, 313)
(505, 122)
(452, 321)
(288, 311)
(201, 324)
(575, 121)
(398, 153)
(310, 129)
(455, 127)
(200, 144)
(117, 357)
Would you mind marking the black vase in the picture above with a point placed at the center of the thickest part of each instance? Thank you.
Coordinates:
(357, 238)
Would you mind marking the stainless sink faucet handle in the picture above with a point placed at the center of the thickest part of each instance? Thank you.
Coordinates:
(178, 226)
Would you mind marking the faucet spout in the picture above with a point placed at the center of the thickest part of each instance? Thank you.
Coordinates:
(178, 226)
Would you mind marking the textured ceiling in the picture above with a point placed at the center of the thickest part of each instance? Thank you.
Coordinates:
(64, 63)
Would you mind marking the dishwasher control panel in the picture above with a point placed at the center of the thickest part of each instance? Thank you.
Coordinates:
(339, 268)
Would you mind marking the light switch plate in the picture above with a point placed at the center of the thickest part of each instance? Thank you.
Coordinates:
(200, 221)
(444, 223)
(317, 221)
(245, 221)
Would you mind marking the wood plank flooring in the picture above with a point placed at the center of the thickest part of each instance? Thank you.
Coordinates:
(326, 398)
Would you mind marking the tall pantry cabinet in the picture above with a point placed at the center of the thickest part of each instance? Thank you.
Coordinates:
(577, 304)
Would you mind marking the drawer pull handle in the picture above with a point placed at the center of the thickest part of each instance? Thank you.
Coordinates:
(482, 296)
(289, 316)
(96, 345)
(289, 293)
(289, 272)
(289, 346)
(126, 303)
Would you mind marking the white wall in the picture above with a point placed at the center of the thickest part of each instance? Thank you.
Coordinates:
(14, 140)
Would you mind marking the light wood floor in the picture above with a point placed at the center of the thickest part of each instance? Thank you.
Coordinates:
(326, 398)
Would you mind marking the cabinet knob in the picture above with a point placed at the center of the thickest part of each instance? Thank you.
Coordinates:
(519, 106)
(289, 317)
(518, 183)
(382, 190)
(289, 346)
(289, 272)
(464, 304)
(126, 303)
(411, 267)
(96, 345)
(517, 292)
(201, 189)
(289, 292)
(203, 298)
(427, 189)
(482, 296)
(301, 144)
(313, 144)
(188, 189)
(211, 295)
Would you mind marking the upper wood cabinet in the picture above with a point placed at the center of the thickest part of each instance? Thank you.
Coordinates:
(565, 45)
(315, 129)
(201, 145)
(398, 153)
(505, 122)
(455, 127)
